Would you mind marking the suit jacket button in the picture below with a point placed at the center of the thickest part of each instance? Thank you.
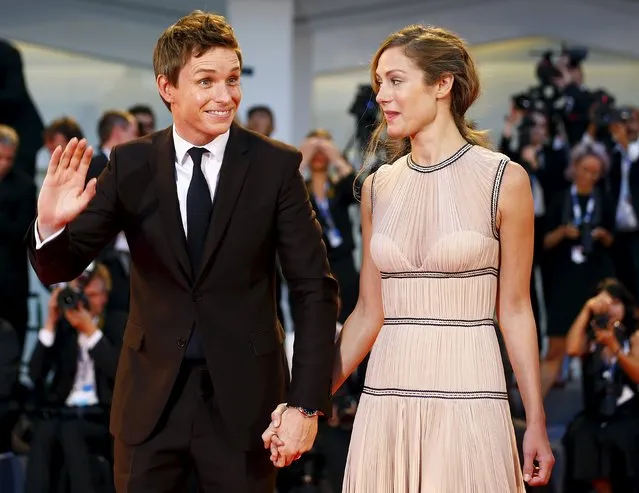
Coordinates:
(197, 297)
(181, 342)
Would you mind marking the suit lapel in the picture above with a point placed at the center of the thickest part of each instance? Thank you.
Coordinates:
(163, 164)
(235, 164)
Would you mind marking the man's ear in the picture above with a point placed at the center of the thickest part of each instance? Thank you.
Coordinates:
(165, 88)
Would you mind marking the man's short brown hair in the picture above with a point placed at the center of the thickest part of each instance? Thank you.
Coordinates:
(192, 35)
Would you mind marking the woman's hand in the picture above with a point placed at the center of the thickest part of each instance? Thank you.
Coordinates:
(537, 449)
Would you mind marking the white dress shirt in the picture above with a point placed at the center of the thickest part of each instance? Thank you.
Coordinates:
(211, 165)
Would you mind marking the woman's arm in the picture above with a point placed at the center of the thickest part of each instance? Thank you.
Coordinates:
(363, 325)
(514, 310)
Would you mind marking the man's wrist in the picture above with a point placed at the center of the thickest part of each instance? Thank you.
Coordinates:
(47, 230)
(306, 412)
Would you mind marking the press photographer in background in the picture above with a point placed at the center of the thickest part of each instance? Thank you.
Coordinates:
(544, 155)
(623, 181)
(560, 94)
(579, 233)
(79, 346)
(602, 442)
(330, 179)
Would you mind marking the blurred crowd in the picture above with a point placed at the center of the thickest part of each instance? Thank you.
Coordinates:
(581, 151)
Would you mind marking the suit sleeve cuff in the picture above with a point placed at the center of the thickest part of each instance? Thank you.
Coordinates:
(46, 337)
(40, 243)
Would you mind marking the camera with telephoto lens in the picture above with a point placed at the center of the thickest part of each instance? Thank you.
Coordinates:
(72, 296)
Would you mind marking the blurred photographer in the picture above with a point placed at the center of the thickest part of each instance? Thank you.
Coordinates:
(579, 234)
(602, 443)
(330, 187)
(624, 186)
(534, 136)
(80, 345)
(527, 138)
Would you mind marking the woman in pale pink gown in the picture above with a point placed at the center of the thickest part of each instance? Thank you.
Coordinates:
(447, 230)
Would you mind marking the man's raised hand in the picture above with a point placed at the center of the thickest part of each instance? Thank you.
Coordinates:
(63, 194)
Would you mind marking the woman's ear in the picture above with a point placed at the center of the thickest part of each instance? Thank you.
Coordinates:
(444, 86)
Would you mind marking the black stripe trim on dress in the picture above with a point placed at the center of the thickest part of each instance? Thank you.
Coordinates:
(486, 271)
(436, 394)
(428, 169)
(440, 322)
(495, 198)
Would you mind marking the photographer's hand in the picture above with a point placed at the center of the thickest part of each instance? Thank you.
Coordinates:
(606, 337)
(599, 304)
(619, 133)
(308, 150)
(602, 235)
(81, 320)
(340, 165)
(529, 156)
(571, 231)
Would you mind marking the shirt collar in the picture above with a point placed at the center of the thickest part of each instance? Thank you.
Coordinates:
(216, 147)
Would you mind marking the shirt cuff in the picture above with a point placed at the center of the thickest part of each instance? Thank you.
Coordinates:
(46, 337)
(91, 341)
(40, 243)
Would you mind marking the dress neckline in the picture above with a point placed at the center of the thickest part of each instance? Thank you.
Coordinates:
(446, 162)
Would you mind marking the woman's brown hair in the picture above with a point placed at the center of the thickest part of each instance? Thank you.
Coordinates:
(437, 52)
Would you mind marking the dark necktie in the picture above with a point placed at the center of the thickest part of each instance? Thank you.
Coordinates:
(198, 215)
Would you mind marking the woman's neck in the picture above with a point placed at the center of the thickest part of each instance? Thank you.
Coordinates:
(436, 142)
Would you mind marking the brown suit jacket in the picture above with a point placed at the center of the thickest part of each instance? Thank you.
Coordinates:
(261, 208)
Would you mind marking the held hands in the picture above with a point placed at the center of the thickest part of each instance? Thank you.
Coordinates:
(537, 450)
(289, 435)
(63, 195)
